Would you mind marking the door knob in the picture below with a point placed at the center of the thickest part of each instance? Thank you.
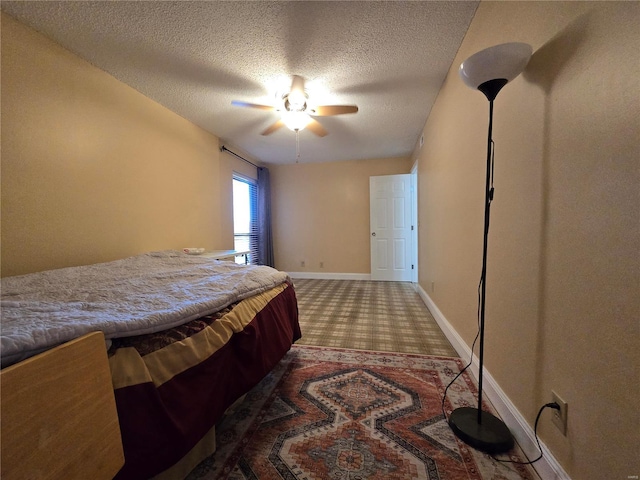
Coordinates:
(373, 234)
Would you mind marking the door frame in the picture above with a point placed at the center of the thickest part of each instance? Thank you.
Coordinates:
(414, 223)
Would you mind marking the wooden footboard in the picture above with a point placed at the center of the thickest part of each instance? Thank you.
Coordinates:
(58, 415)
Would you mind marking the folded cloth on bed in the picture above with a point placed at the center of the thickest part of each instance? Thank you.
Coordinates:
(137, 295)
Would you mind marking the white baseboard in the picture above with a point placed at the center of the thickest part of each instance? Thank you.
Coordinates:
(330, 276)
(547, 467)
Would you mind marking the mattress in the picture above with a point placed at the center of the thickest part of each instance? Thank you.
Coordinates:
(142, 294)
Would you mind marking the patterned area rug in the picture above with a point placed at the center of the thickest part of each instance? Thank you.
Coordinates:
(327, 413)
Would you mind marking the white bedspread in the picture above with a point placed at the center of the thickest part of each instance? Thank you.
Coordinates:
(137, 295)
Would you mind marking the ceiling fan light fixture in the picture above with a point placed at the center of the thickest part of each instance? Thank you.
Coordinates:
(296, 101)
(296, 121)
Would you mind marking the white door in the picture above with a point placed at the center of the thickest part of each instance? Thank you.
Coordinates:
(390, 223)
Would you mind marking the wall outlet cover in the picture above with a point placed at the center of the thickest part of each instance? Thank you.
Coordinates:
(559, 417)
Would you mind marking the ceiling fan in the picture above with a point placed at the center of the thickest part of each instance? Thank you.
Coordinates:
(296, 110)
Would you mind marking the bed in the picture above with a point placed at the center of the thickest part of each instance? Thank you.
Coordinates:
(183, 337)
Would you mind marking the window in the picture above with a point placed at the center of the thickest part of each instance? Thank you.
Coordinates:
(245, 218)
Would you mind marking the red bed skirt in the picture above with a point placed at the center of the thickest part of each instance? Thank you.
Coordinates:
(161, 423)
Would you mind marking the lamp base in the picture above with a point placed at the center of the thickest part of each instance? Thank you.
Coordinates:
(490, 436)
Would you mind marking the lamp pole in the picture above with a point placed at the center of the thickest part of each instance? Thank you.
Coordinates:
(483, 287)
(474, 426)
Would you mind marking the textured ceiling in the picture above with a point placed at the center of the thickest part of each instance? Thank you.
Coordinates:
(388, 58)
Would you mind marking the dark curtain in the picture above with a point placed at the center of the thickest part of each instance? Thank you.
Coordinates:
(265, 239)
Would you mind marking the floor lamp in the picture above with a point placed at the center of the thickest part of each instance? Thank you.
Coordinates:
(488, 71)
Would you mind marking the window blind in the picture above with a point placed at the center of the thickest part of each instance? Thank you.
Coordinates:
(245, 217)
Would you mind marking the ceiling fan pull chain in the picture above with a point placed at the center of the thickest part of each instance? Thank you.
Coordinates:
(297, 146)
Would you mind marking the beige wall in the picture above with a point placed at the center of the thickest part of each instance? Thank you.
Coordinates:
(92, 170)
(562, 289)
(321, 214)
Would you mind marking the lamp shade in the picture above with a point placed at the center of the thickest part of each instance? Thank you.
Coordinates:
(500, 62)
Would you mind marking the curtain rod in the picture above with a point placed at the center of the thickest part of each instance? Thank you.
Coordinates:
(225, 149)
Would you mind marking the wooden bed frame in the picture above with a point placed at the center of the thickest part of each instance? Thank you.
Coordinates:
(58, 415)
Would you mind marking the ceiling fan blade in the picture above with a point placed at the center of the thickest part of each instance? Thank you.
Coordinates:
(329, 110)
(316, 128)
(273, 128)
(239, 103)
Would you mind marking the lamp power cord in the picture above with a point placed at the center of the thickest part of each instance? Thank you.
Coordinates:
(553, 405)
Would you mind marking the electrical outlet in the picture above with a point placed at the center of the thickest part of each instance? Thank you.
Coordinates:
(302, 263)
(559, 417)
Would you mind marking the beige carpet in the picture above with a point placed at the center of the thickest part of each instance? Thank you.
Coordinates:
(367, 315)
